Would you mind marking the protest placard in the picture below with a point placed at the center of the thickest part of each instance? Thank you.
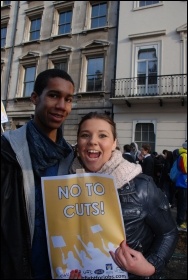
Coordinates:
(83, 223)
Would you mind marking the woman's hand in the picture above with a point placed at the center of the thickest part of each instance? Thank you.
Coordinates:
(75, 274)
(132, 261)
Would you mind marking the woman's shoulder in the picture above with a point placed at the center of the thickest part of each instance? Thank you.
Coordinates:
(145, 185)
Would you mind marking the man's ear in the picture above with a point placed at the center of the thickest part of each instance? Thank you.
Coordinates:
(34, 97)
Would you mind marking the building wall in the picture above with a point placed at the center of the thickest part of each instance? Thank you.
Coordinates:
(171, 127)
(20, 109)
(166, 25)
(168, 17)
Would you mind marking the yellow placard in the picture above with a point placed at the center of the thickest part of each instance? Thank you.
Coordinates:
(84, 222)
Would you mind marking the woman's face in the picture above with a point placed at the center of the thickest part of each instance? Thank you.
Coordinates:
(95, 143)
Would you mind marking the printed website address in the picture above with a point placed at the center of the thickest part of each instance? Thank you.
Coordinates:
(105, 277)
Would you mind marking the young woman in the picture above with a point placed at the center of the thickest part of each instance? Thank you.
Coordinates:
(151, 232)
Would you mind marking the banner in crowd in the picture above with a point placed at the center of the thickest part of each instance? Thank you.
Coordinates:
(83, 223)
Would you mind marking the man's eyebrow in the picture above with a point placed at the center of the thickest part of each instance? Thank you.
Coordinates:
(59, 92)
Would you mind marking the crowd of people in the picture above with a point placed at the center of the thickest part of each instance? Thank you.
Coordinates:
(158, 166)
(38, 149)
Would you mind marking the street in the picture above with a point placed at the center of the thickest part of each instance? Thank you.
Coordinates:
(177, 266)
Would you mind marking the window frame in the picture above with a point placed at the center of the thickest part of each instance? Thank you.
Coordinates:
(138, 7)
(135, 122)
(5, 5)
(4, 23)
(25, 83)
(29, 60)
(106, 16)
(95, 49)
(35, 30)
(139, 46)
(65, 24)
(87, 75)
(87, 24)
(4, 27)
(61, 53)
(60, 7)
(32, 14)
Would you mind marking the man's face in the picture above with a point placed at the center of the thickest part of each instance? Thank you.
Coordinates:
(53, 105)
(133, 148)
(144, 152)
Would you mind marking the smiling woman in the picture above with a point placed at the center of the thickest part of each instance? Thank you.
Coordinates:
(151, 232)
(96, 141)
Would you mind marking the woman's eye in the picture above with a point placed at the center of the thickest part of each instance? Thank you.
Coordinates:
(102, 135)
(84, 135)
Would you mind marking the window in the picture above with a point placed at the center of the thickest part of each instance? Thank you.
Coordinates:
(59, 58)
(62, 19)
(5, 3)
(146, 3)
(95, 69)
(3, 36)
(27, 72)
(29, 79)
(33, 22)
(144, 133)
(99, 15)
(65, 19)
(35, 29)
(147, 69)
(94, 59)
(62, 65)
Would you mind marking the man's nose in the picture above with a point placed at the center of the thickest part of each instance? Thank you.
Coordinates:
(61, 103)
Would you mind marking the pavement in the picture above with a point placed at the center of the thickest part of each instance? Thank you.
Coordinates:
(177, 266)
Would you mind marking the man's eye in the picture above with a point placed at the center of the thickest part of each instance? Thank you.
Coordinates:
(53, 95)
(69, 100)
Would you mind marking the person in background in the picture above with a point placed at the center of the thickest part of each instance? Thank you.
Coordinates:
(135, 152)
(147, 162)
(181, 187)
(151, 232)
(126, 154)
(36, 149)
(166, 182)
(158, 168)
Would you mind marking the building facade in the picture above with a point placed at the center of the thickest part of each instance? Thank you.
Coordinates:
(149, 93)
(77, 36)
(127, 59)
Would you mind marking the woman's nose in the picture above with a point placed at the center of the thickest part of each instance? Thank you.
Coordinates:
(92, 139)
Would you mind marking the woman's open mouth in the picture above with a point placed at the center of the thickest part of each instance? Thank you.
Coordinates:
(93, 154)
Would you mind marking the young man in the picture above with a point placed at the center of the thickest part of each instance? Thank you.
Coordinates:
(148, 161)
(37, 149)
(127, 153)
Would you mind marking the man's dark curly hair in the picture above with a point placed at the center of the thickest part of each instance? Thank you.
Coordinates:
(43, 78)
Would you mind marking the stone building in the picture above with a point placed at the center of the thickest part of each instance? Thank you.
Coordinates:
(77, 36)
(127, 58)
